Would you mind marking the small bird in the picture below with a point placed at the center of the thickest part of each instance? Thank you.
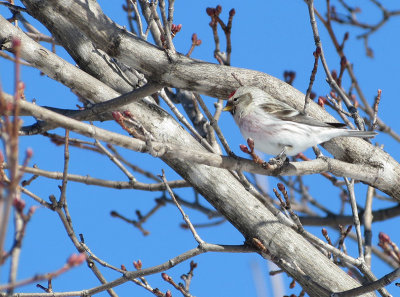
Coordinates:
(277, 128)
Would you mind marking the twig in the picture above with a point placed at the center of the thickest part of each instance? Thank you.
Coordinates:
(353, 203)
(170, 12)
(135, 168)
(195, 42)
(10, 138)
(335, 220)
(185, 217)
(128, 9)
(65, 171)
(214, 124)
(142, 219)
(8, 57)
(376, 104)
(342, 113)
(287, 206)
(19, 225)
(97, 109)
(316, 54)
(380, 283)
(113, 159)
(182, 119)
(181, 289)
(167, 26)
(72, 261)
(367, 218)
(102, 182)
(64, 215)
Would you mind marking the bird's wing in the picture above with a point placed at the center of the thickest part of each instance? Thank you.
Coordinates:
(285, 112)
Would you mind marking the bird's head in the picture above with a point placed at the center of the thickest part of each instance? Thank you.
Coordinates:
(240, 99)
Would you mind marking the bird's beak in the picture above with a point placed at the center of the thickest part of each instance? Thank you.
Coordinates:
(228, 106)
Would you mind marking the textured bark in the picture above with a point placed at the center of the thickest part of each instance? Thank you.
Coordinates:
(76, 22)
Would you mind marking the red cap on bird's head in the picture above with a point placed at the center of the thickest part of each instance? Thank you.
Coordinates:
(233, 93)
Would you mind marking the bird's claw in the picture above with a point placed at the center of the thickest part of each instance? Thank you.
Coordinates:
(279, 160)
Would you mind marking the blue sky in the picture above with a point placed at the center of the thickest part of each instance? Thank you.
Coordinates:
(268, 36)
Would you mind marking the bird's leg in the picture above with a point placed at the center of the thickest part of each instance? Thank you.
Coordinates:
(280, 159)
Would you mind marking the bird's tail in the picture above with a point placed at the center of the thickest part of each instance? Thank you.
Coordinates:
(363, 134)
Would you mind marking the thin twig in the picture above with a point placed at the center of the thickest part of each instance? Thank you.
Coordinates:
(376, 104)
(353, 203)
(214, 124)
(185, 217)
(182, 119)
(367, 218)
(65, 171)
(102, 182)
(312, 79)
(380, 283)
(115, 161)
(167, 26)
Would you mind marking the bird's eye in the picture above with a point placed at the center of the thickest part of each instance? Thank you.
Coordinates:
(235, 99)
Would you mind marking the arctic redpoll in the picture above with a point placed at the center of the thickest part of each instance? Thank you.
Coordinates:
(277, 128)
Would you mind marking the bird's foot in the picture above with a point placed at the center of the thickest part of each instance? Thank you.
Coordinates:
(279, 160)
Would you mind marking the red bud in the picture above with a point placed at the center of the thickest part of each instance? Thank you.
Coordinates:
(321, 101)
(19, 204)
(76, 259)
(210, 11)
(292, 284)
(232, 12)
(21, 86)
(193, 265)
(383, 237)
(29, 153)
(165, 276)
(250, 143)
(117, 116)
(128, 114)
(244, 149)
(138, 264)
(32, 209)
(194, 37)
